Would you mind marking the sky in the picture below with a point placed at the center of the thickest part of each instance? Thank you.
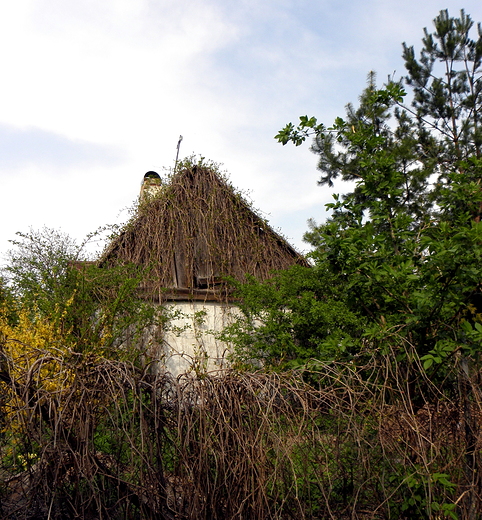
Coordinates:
(95, 94)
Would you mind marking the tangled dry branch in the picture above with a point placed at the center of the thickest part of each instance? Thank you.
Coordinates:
(113, 441)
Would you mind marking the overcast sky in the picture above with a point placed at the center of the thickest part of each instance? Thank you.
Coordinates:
(95, 94)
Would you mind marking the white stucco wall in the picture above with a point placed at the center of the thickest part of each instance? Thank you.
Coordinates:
(188, 341)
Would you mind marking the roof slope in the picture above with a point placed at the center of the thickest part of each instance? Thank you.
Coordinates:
(196, 231)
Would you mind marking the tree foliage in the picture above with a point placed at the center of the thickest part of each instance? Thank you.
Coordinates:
(298, 315)
(399, 257)
(95, 309)
(37, 267)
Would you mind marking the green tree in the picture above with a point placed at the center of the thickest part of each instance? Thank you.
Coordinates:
(298, 315)
(401, 252)
(38, 267)
(96, 309)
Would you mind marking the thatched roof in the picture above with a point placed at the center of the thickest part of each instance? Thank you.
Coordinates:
(194, 232)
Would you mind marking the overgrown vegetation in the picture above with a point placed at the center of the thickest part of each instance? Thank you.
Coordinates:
(117, 442)
(368, 404)
(196, 230)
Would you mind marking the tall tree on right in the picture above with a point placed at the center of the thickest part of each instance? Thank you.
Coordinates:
(403, 249)
(405, 244)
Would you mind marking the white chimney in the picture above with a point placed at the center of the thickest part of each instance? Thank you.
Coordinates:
(151, 186)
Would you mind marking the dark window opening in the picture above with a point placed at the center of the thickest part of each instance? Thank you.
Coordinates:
(207, 282)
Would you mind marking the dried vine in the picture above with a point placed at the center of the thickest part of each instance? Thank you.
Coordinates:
(197, 230)
(117, 442)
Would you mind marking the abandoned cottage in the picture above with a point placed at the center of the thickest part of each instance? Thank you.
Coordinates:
(190, 232)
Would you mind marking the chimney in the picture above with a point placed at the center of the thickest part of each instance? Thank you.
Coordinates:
(151, 186)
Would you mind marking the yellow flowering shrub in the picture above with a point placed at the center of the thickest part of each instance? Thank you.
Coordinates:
(34, 351)
(34, 364)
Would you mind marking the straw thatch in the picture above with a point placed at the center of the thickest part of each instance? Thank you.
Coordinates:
(193, 233)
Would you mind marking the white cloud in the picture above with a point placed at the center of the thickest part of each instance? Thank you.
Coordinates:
(122, 79)
(32, 146)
